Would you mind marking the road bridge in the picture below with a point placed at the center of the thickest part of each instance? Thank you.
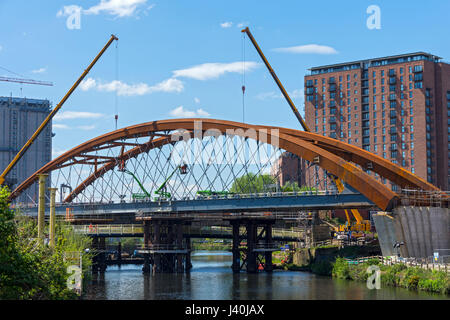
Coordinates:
(170, 164)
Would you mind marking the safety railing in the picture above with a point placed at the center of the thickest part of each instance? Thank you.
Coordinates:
(424, 263)
(126, 229)
(198, 197)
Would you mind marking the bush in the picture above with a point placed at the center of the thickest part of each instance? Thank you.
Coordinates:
(28, 269)
(341, 269)
(323, 268)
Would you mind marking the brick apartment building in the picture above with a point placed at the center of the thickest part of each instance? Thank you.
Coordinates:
(397, 107)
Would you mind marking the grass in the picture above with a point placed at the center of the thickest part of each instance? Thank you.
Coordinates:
(399, 275)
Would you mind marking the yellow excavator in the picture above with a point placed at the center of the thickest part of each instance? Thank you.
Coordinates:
(360, 226)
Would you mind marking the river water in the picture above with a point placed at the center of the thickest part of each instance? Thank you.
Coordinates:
(211, 278)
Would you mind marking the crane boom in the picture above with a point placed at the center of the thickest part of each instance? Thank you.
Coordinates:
(53, 112)
(339, 184)
(283, 91)
(26, 81)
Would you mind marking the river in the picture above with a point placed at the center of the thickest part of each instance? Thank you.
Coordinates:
(211, 278)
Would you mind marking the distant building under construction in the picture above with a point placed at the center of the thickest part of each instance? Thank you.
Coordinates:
(19, 119)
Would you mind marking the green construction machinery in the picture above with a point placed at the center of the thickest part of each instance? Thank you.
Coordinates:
(213, 193)
(161, 191)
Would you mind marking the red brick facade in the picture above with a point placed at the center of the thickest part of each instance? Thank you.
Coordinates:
(396, 107)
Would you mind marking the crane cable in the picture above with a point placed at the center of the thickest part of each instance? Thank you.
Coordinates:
(116, 102)
(243, 77)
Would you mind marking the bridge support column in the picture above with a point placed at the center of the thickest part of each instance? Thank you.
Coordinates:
(41, 207)
(188, 263)
(259, 244)
(268, 266)
(251, 246)
(119, 253)
(102, 255)
(95, 258)
(164, 245)
(146, 268)
(236, 266)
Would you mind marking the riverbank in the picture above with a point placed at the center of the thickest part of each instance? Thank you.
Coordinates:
(210, 246)
(398, 275)
(330, 261)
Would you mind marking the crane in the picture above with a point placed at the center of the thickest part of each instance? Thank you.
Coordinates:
(22, 151)
(26, 81)
(361, 225)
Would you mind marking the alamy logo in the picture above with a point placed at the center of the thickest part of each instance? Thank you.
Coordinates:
(374, 279)
(74, 280)
(374, 20)
(73, 14)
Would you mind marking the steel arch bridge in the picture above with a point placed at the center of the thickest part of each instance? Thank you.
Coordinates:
(218, 153)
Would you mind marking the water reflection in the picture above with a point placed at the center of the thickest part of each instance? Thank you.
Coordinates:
(211, 278)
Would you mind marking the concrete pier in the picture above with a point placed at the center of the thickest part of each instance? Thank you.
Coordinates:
(259, 248)
(165, 249)
(422, 230)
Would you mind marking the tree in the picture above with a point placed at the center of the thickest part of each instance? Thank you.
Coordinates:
(29, 269)
(252, 183)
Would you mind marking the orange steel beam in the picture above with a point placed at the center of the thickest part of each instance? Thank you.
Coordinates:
(110, 165)
(355, 177)
(365, 159)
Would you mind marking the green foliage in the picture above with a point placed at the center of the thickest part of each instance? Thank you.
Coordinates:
(341, 269)
(323, 268)
(412, 278)
(252, 183)
(28, 269)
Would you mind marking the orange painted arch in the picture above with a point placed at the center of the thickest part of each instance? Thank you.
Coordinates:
(334, 156)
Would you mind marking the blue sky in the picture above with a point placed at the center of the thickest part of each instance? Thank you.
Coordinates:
(184, 58)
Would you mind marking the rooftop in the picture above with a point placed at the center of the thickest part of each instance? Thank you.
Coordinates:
(374, 62)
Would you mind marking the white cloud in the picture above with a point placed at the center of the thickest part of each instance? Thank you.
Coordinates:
(309, 48)
(87, 84)
(214, 70)
(69, 115)
(91, 127)
(139, 89)
(268, 95)
(242, 24)
(296, 94)
(68, 10)
(180, 112)
(196, 100)
(169, 85)
(59, 126)
(57, 152)
(226, 24)
(118, 8)
(40, 70)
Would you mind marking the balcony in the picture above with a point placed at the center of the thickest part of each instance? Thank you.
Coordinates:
(418, 69)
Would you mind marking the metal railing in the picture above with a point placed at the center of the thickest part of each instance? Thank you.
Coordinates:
(127, 229)
(200, 197)
(424, 263)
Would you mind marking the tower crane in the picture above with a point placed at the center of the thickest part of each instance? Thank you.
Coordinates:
(22, 151)
(26, 81)
(361, 225)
